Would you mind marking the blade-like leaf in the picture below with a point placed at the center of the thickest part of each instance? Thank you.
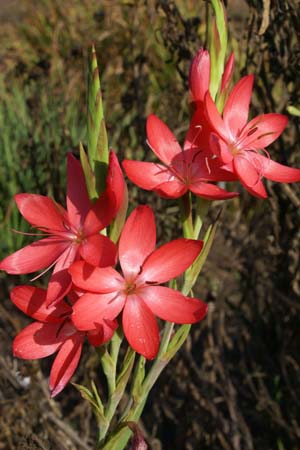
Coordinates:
(138, 377)
(193, 273)
(97, 136)
(88, 173)
(95, 401)
(177, 341)
(217, 46)
(118, 223)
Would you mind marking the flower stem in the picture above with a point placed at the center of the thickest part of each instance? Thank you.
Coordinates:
(186, 215)
(202, 206)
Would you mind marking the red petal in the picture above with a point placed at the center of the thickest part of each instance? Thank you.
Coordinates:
(60, 281)
(199, 131)
(99, 250)
(41, 211)
(146, 175)
(38, 340)
(58, 287)
(32, 301)
(108, 204)
(199, 77)
(278, 172)
(34, 257)
(161, 140)
(140, 327)
(220, 149)
(95, 279)
(215, 119)
(65, 363)
(171, 305)
(170, 260)
(249, 176)
(212, 169)
(90, 310)
(171, 189)
(236, 110)
(137, 240)
(100, 215)
(263, 130)
(211, 191)
(115, 180)
(103, 333)
(227, 74)
(78, 202)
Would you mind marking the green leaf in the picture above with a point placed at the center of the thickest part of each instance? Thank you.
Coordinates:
(138, 378)
(93, 399)
(193, 273)
(217, 46)
(118, 223)
(177, 341)
(97, 136)
(88, 174)
(126, 368)
(109, 368)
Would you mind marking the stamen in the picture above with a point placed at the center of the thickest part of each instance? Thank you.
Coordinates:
(66, 226)
(251, 161)
(259, 164)
(28, 234)
(46, 270)
(207, 165)
(251, 131)
(196, 135)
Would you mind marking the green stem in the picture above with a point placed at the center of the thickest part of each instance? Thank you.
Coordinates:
(109, 364)
(168, 330)
(202, 207)
(140, 391)
(186, 215)
(119, 439)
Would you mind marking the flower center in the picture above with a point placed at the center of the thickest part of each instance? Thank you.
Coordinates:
(233, 148)
(185, 170)
(79, 236)
(130, 287)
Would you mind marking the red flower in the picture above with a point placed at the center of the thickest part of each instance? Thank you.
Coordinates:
(53, 332)
(199, 77)
(188, 169)
(240, 146)
(137, 291)
(71, 233)
(227, 74)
